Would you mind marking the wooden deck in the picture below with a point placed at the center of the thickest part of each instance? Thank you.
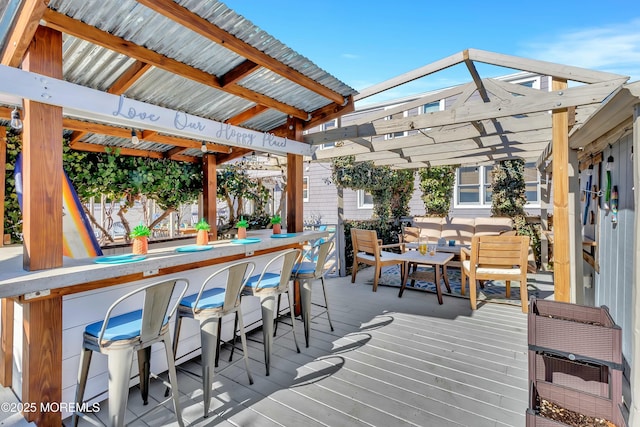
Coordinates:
(390, 362)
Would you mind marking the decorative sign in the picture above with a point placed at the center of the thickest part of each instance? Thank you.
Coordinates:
(90, 104)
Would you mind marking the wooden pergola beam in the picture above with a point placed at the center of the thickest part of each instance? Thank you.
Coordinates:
(188, 19)
(543, 101)
(129, 77)
(23, 31)
(92, 34)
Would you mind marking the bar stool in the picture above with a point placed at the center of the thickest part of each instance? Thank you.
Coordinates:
(208, 307)
(267, 286)
(118, 336)
(306, 272)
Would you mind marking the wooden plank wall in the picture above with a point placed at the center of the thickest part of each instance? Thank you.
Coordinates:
(613, 285)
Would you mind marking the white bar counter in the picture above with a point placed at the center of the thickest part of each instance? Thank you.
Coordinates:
(87, 290)
(24, 285)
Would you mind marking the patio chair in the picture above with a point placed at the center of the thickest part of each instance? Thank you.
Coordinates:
(307, 272)
(368, 249)
(495, 258)
(120, 336)
(269, 286)
(219, 295)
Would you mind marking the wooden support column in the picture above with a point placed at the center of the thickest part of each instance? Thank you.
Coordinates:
(42, 359)
(295, 208)
(209, 193)
(6, 352)
(42, 232)
(561, 249)
(42, 160)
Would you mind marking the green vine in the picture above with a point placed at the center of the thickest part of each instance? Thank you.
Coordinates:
(437, 185)
(509, 197)
(391, 189)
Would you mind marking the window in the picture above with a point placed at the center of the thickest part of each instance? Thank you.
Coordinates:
(488, 180)
(305, 188)
(365, 200)
(469, 187)
(396, 134)
(431, 107)
(532, 183)
(327, 126)
(473, 185)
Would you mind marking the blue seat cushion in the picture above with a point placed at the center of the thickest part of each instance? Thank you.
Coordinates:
(304, 268)
(123, 327)
(269, 280)
(211, 298)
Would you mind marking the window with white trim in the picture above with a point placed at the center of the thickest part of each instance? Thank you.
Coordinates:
(327, 126)
(305, 188)
(365, 200)
(473, 186)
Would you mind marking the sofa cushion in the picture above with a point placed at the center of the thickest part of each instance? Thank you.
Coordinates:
(430, 227)
(492, 226)
(459, 229)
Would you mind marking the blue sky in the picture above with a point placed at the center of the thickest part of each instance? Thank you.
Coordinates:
(364, 43)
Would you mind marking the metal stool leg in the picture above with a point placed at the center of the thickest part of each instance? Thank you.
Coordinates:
(119, 366)
(305, 297)
(83, 372)
(326, 302)
(293, 320)
(209, 340)
(144, 370)
(268, 304)
(173, 380)
(243, 339)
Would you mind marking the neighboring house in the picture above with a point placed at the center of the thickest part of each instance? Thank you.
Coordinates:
(472, 195)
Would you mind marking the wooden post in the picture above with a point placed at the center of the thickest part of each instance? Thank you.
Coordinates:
(42, 359)
(42, 232)
(209, 192)
(295, 208)
(6, 352)
(561, 249)
(42, 160)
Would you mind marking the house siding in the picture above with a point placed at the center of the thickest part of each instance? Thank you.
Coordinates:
(613, 283)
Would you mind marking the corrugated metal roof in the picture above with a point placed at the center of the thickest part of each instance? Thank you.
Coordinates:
(97, 67)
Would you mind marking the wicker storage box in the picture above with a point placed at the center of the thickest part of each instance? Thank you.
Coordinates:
(575, 361)
(573, 400)
(575, 331)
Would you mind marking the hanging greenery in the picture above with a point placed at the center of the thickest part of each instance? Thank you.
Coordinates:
(509, 196)
(437, 185)
(391, 189)
(12, 215)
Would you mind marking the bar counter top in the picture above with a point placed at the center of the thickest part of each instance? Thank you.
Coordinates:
(16, 282)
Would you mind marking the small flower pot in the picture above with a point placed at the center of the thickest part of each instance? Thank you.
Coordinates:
(242, 232)
(277, 228)
(202, 238)
(140, 245)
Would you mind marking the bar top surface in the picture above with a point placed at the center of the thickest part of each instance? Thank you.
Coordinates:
(15, 281)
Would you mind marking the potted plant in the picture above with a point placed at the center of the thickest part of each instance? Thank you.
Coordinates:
(202, 236)
(276, 222)
(242, 228)
(140, 235)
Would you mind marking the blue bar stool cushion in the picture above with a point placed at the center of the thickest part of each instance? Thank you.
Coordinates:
(269, 280)
(211, 298)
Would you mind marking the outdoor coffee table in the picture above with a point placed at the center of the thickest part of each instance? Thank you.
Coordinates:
(438, 261)
(453, 249)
